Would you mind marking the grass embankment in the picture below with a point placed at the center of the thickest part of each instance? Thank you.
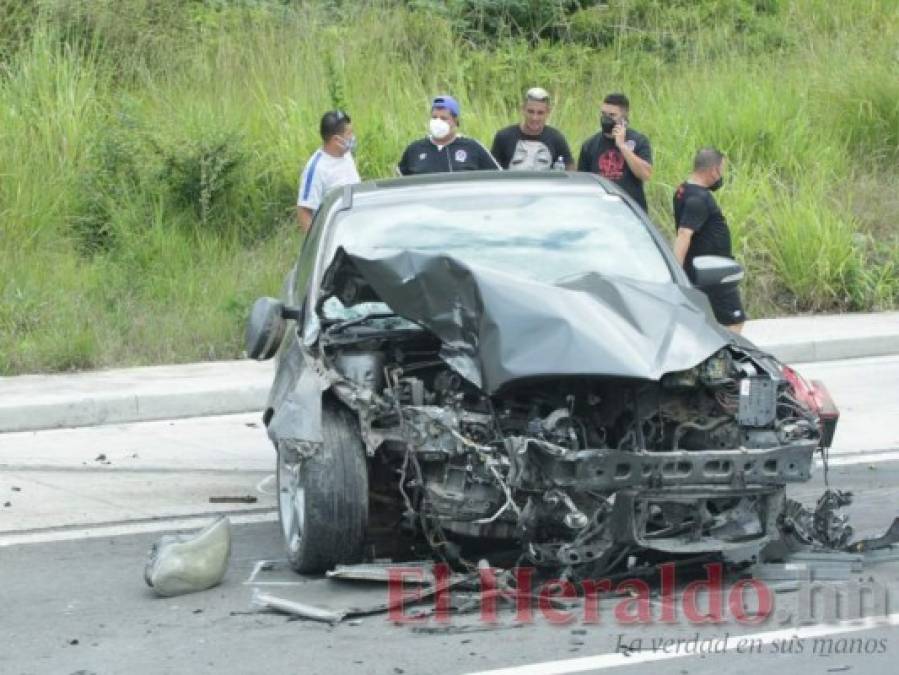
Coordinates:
(149, 155)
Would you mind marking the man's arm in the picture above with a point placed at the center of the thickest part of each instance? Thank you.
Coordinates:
(310, 193)
(304, 217)
(498, 150)
(692, 218)
(402, 167)
(485, 159)
(639, 159)
(682, 244)
(584, 159)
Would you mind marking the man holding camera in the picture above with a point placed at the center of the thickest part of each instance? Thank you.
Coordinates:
(617, 152)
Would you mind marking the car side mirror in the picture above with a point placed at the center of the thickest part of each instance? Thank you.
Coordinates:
(266, 327)
(716, 270)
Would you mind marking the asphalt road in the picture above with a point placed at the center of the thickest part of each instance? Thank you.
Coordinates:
(74, 539)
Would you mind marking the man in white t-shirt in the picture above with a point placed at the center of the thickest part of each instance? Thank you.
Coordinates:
(329, 167)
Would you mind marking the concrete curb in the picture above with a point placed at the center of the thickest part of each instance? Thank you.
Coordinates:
(834, 350)
(35, 402)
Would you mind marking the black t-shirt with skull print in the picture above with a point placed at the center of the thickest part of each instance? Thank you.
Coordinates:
(518, 151)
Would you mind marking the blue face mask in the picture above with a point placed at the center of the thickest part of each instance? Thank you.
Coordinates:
(349, 144)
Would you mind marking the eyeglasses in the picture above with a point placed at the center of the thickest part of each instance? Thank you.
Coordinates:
(537, 94)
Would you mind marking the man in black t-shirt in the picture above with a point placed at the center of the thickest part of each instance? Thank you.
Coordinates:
(617, 152)
(444, 150)
(532, 144)
(702, 230)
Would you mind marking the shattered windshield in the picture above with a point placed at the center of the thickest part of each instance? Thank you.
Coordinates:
(548, 237)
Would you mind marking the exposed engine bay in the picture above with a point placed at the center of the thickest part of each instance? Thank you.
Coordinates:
(576, 468)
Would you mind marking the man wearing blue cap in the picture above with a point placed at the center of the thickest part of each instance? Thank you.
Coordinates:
(444, 149)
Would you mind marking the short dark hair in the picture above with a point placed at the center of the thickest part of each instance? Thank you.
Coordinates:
(333, 124)
(707, 158)
(618, 99)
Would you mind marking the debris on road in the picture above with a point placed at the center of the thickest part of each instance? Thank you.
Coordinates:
(890, 537)
(15, 488)
(462, 630)
(267, 601)
(381, 572)
(188, 563)
(247, 499)
(303, 610)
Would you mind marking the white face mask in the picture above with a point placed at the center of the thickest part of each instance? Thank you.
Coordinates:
(438, 128)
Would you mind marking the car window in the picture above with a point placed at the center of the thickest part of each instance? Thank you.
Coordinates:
(545, 237)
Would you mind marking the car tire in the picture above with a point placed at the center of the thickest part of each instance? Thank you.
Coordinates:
(323, 498)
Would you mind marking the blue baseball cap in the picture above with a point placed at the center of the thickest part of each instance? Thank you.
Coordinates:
(447, 102)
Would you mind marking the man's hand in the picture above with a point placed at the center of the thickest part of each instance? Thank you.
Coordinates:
(682, 244)
(638, 166)
(304, 218)
(619, 131)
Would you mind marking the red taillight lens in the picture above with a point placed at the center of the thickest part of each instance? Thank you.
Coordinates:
(802, 390)
(815, 395)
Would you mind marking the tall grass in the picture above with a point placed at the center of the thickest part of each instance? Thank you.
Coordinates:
(148, 170)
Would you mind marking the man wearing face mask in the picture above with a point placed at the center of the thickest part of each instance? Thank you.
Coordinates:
(444, 149)
(617, 152)
(331, 166)
(702, 230)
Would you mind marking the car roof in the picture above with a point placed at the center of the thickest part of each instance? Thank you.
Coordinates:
(489, 179)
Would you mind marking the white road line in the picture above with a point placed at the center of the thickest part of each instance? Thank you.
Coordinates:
(120, 529)
(260, 486)
(860, 458)
(258, 567)
(617, 660)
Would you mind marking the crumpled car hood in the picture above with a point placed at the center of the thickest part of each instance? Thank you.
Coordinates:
(498, 328)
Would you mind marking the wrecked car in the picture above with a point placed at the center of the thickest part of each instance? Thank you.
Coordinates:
(517, 363)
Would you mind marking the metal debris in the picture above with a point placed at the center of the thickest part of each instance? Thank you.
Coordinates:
(267, 601)
(823, 527)
(380, 572)
(890, 537)
(248, 499)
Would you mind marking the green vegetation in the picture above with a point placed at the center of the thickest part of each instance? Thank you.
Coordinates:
(150, 149)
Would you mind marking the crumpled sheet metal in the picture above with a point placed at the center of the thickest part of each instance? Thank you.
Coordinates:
(380, 572)
(179, 564)
(497, 328)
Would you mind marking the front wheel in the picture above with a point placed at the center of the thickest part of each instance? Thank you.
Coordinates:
(323, 498)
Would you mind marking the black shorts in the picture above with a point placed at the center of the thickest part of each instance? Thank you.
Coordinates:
(726, 305)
